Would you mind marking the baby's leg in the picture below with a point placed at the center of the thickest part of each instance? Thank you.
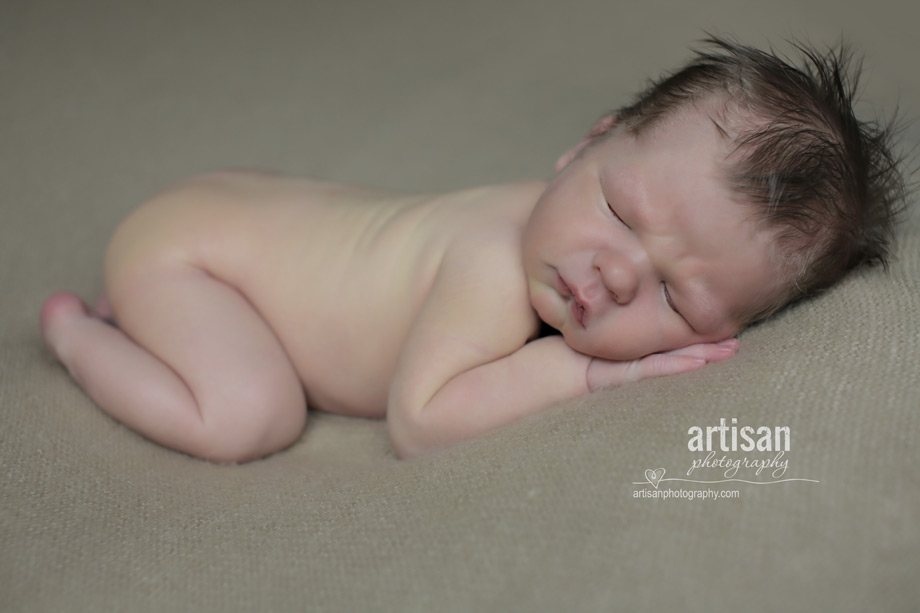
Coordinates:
(191, 365)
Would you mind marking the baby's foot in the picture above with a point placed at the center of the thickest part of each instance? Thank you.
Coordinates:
(58, 316)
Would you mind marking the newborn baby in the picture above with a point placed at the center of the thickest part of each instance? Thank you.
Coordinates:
(235, 300)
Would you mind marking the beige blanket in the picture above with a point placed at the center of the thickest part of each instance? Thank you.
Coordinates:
(103, 102)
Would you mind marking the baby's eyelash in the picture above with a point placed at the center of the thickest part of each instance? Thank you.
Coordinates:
(667, 297)
(620, 219)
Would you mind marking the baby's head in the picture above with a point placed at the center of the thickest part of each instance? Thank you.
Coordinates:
(731, 188)
(827, 185)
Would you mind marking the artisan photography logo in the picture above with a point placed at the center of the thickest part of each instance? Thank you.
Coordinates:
(726, 454)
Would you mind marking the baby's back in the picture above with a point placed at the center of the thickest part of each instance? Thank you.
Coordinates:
(338, 272)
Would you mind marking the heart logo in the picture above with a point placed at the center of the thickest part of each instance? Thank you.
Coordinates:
(654, 476)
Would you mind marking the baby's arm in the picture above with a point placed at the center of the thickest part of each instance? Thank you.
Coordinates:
(455, 394)
(537, 375)
(464, 372)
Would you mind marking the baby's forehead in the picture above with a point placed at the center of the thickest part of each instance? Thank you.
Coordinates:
(721, 130)
(692, 130)
(714, 115)
(685, 195)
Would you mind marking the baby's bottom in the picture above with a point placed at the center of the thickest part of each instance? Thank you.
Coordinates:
(192, 365)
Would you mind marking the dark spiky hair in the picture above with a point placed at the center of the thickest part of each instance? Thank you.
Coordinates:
(827, 184)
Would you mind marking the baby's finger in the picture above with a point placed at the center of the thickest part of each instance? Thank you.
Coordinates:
(711, 352)
(605, 373)
(661, 365)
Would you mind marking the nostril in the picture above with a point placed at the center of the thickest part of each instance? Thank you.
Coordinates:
(618, 275)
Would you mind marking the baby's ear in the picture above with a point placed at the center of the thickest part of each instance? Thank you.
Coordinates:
(600, 129)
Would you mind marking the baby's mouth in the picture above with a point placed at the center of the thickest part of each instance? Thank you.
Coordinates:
(575, 305)
(562, 287)
(578, 312)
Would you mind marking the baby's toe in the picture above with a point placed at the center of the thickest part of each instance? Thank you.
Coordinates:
(56, 312)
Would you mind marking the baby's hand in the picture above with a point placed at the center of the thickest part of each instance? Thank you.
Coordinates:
(608, 373)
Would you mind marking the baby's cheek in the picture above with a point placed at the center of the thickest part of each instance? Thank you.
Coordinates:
(545, 304)
(590, 342)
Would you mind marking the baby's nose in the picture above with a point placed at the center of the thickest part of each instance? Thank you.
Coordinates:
(619, 275)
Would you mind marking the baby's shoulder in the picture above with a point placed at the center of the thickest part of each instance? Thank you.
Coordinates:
(480, 285)
(486, 228)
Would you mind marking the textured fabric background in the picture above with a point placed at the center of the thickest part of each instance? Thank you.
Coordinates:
(103, 102)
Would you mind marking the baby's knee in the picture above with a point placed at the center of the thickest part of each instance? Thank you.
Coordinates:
(250, 439)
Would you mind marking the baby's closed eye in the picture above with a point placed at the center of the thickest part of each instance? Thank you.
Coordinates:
(616, 215)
